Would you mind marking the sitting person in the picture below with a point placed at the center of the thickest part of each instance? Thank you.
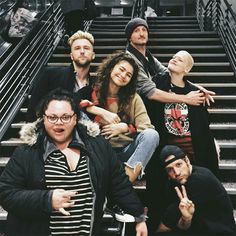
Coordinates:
(72, 77)
(201, 205)
(115, 105)
(181, 124)
(57, 183)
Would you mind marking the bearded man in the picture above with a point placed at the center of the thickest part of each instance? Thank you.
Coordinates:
(72, 77)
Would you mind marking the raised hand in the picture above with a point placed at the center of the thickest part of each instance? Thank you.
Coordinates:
(186, 206)
(208, 95)
(62, 199)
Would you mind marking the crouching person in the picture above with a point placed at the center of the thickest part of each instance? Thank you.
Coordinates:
(198, 203)
(57, 183)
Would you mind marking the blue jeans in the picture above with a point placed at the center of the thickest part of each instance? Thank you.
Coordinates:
(142, 148)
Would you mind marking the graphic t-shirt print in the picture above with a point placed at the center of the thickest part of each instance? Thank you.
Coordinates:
(176, 119)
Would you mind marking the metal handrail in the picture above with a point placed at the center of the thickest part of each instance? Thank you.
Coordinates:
(219, 16)
(138, 8)
(7, 10)
(19, 70)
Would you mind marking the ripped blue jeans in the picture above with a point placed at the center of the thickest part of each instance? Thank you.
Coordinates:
(141, 149)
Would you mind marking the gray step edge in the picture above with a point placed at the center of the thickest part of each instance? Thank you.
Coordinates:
(223, 164)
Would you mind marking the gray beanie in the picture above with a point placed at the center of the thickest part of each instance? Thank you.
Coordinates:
(132, 24)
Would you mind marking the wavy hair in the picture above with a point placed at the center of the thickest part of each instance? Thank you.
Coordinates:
(126, 93)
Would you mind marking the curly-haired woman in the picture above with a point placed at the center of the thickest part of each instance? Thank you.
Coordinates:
(115, 105)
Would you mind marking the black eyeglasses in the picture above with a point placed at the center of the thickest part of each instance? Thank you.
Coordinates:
(65, 119)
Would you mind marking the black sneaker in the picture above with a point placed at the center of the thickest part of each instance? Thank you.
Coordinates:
(121, 216)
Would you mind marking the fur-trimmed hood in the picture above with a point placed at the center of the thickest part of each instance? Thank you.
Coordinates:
(29, 135)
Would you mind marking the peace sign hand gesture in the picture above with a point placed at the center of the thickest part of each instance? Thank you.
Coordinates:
(186, 206)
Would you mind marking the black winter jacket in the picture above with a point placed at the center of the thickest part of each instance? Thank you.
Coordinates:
(51, 78)
(24, 195)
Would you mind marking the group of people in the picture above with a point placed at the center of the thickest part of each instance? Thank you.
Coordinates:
(90, 139)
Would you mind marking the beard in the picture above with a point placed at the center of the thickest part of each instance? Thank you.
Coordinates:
(84, 64)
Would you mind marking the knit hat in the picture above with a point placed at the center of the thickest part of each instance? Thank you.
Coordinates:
(169, 150)
(132, 24)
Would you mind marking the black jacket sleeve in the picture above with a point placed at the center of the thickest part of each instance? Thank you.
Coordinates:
(21, 193)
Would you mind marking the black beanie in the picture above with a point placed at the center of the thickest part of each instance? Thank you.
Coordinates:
(132, 24)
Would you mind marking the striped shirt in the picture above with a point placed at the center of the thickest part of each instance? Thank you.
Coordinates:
(58, 175)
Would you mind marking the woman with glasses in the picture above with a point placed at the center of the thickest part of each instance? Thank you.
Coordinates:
(120, 112)
(56, 183)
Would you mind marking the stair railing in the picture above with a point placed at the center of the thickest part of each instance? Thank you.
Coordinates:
(139, 7)
(219, 16)
(6, 6)
(19, 69)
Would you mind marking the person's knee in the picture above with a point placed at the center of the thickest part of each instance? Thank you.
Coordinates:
(152, 136)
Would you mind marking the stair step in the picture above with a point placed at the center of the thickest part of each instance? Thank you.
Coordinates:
(202, 64)
(3, 161)
(3, 215)
(225, 97)
(223, 126)
(210, 110)
(11, 142)
(177, 47)
(222, 110)
(223, 164)
(17, 142)
(227, 164)
(206, 55)
(17, 125)
(214, 126)
(230, 188)
(218, 85)
(213, 74)
(226, 143)
(194, 55)
(23, 110)
(199, 74)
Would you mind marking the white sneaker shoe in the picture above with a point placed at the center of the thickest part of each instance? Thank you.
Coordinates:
(121, 216)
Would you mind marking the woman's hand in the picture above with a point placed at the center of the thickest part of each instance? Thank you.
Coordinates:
(112, 130)
(110, 117)
(61, 199)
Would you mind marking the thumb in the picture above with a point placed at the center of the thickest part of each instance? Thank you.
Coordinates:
(64, 212)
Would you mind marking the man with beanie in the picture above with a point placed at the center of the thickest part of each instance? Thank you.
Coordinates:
(150, 70)
(137, 32)
(196, 201)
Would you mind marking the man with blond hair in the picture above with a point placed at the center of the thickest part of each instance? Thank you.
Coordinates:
(72, 77)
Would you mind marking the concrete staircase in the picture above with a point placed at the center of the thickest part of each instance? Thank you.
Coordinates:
(167, 36)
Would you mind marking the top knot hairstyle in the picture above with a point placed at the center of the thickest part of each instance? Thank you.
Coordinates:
(134, 23)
